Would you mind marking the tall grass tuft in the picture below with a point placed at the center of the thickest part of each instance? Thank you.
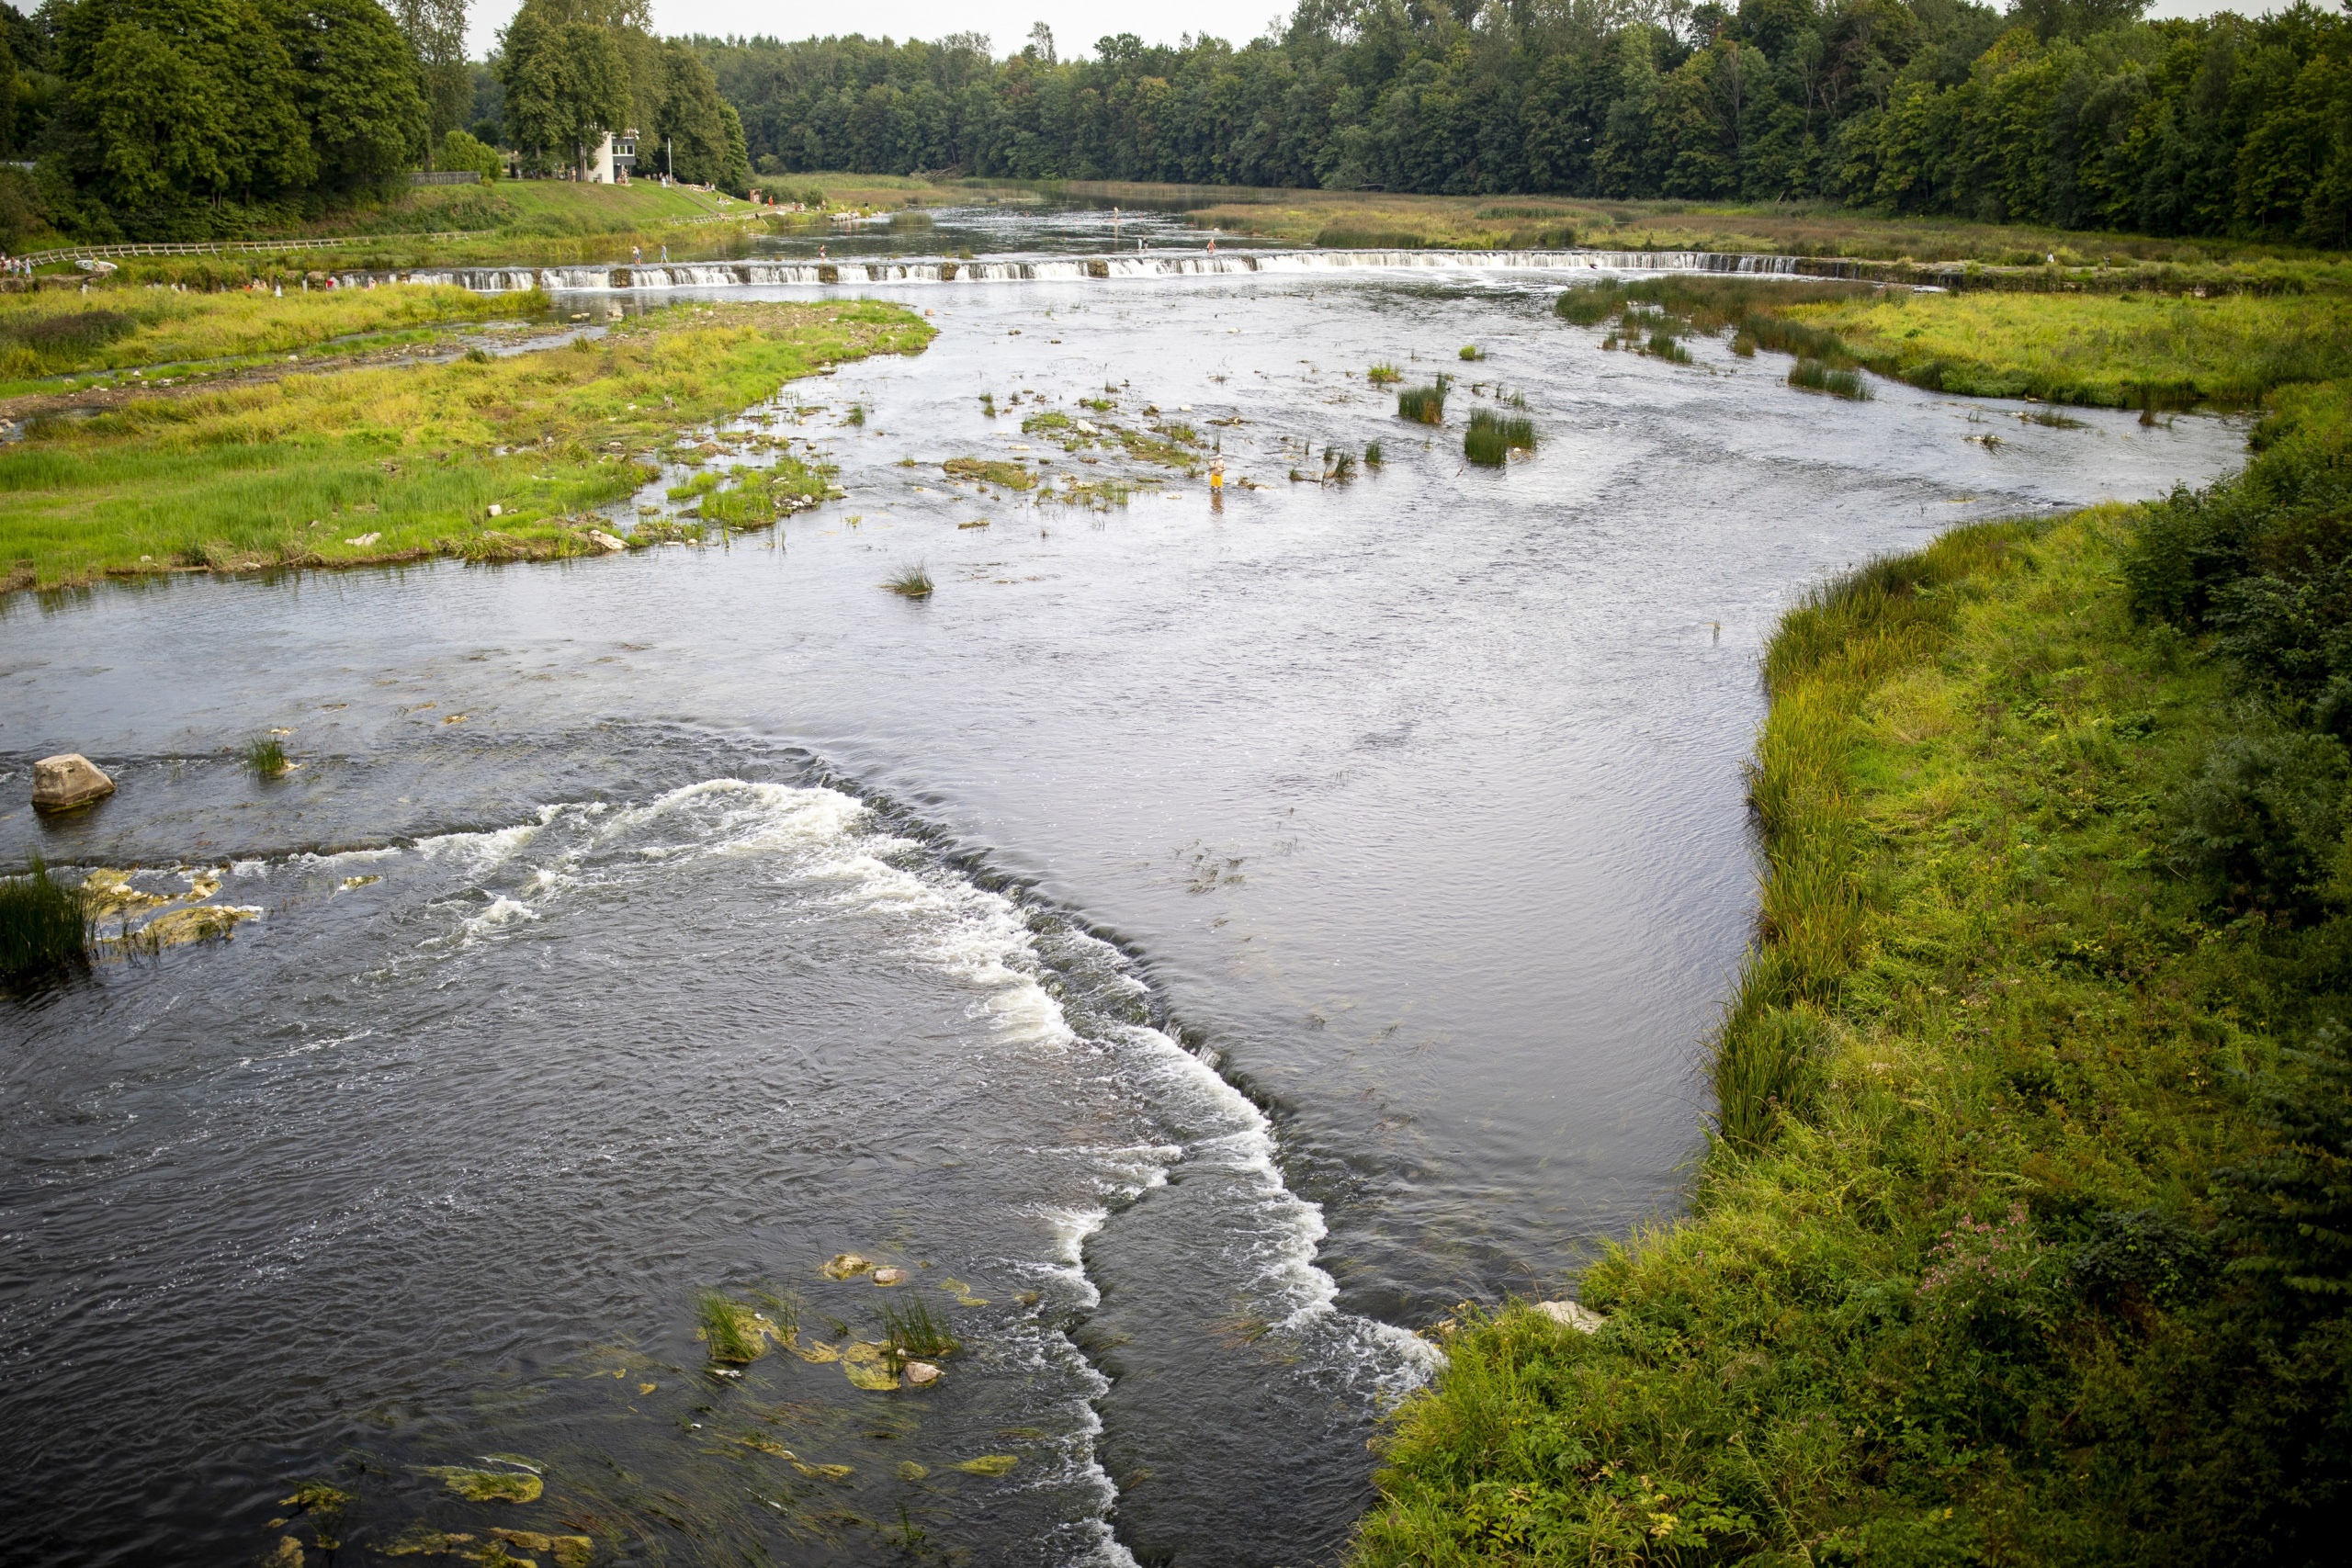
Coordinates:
(1662, 346)
(1815, 375)
(910, 583)
(1372, 454)
(44, 927)
(1589, 304)
(1424, 405)
(264, 758)
(727, 1330)
(1384, 375)
(913, 1334)
(1492, 437)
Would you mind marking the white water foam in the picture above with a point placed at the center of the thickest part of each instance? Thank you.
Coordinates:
(1104, 268)
(984, 941)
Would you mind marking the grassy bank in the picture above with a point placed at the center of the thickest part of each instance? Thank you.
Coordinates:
(1384, 219)
(2021, 1235)
(393, 463)
(2117, 351)
(124, 327)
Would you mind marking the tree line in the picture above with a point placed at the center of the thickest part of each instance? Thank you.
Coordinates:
(206, 118)
(2076, 113)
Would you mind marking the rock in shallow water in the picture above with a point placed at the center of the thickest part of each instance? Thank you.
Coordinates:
(68, 779)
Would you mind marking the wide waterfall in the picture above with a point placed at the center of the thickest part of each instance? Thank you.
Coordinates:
(1141, 264)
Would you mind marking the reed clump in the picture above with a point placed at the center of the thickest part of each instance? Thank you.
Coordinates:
(1820, 376)
(45, 927)
(1384, 375)
(1424, 405)
(264, 757)
(1371, 454)
(913, 1332)
(910, 583)
(1493, 437)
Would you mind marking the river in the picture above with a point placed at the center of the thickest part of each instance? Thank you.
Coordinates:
(1205, 941)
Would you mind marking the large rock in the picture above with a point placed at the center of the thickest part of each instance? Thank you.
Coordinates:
(68, 779)
(1571, 1314)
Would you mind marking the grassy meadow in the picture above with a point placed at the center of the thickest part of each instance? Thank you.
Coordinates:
(164, 331)
(389, 463)
(2130, 349)
(2019, 1237)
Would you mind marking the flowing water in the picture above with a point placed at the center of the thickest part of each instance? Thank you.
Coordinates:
(1201, 943)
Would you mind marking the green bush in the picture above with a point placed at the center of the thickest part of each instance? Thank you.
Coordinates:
(460, 150)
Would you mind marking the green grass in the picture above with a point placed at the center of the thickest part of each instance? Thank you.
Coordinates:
(913, 1332)
(1424, 405)
(264, 757)
(155, 329)
(44, 927)
(1384, 375)
(2114, 350)
(2019, 1237)
(394, 463)
(1817, 376)
(2122, 350)
(909, 582)
(731, 1332)
(1493, 437)
(1371, 454)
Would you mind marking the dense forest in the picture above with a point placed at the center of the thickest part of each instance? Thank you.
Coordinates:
(159, 118)
(2070, 112)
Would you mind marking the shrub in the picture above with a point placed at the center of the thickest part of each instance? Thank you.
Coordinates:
(460, 150)
(2264, 821)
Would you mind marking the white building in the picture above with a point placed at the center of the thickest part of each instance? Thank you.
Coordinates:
(615, 155)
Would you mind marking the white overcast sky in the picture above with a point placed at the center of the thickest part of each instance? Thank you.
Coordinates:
(1076, 23)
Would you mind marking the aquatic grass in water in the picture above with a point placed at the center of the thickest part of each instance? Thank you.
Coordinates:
(1815, 376)
(1472, 351)
(264, 756)
(913, 1333)
(44, 926)
(1372, 454)
(1424, 405)
(1492, 437)
(1662, 346)
(910, 583)
(1384, 375)
(731, 1331)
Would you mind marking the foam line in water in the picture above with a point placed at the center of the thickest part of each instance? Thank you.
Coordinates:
(1105, 268)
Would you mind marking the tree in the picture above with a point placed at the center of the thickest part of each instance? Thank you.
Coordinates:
(689, 127)
(356, 87)
(171, 101)
(566, 80)
(436, 31)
